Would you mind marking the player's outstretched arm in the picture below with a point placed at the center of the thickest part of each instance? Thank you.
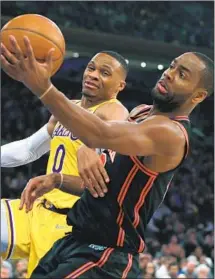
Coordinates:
(28, 150)
(152, 137)
(156, 136)
(40, 185)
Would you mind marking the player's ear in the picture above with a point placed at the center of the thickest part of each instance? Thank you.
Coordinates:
(122, 85)
(200, 96)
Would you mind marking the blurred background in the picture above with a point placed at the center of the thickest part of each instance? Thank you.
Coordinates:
(180, 237)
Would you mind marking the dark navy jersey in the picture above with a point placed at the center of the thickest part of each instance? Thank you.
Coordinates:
(134, 193)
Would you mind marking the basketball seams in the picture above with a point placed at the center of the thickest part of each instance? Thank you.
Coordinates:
(38, 33)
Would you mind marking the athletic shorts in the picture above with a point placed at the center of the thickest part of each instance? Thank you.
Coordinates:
(29, 235)
(70, 258)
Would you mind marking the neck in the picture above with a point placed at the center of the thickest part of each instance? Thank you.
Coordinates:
(181, 111)
(87, 102)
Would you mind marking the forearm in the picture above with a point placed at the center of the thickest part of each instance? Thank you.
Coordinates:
(95, 133)
(71, 184)
(88, 127)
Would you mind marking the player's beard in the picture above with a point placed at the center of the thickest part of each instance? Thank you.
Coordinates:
(164, 102)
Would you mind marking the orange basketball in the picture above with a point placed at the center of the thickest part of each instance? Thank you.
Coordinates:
(43, 34)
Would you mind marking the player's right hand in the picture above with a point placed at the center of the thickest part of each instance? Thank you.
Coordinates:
(92, 171)
(25, 68)
(35, 188)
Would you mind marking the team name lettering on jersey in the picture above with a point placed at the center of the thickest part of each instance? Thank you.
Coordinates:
(61, 131)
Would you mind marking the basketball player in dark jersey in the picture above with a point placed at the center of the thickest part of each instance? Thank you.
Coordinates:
(108, 233)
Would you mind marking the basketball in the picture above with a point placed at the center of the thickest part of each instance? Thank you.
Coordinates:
(43, 34)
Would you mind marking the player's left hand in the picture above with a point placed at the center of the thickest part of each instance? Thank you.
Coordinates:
(35, 188)
(25, 68)
(92, 171)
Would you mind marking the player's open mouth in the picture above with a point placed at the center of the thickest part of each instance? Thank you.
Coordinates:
(90, 85)
(162, 87)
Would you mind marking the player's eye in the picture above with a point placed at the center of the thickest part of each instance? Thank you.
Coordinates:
(90, 67)
(182, 75)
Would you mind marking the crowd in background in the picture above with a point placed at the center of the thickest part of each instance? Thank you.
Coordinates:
(161, 21)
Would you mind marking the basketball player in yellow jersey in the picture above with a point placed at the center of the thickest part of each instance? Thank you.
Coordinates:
(30, 234)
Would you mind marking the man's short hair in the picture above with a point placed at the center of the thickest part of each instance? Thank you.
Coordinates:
(207, 78)
(119, 58)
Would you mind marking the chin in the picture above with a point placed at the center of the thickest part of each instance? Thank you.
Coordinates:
(158, 97)
(165, 103)
(88, 93)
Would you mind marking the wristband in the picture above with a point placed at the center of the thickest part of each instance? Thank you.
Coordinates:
(46, 92)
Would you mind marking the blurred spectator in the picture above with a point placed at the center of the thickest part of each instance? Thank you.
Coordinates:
(150, 270)
(162, 270)
(22, 274)
(174, 248)
(203, 271)
(144, 259)
(198, 252)
(173, 270)
(190, 241)
(6, 270)
(21, 268)
(190, 269)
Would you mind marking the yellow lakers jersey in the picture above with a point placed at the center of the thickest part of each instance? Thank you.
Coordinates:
(63, 159)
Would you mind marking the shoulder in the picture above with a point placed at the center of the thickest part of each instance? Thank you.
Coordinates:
(52, 120)
(112, 111)
(165, 133)
(51, 124)
(164, 125)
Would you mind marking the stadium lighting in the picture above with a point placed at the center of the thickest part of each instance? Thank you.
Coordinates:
(75, 54)
(143, 64)
(160, 67)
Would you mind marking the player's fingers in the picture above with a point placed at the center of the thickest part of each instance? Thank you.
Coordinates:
(6, 66)
(16, 49)
(100, 180)
(8, 55)
(29, 51)
(22, 200)
(92, 192)
(49, 58)
(87, 183)
(38, 192)
(32, 200)
(104, 173)
(94, 184)
(23, 197)
(82, 184)
(85, 178)
(28, 191)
